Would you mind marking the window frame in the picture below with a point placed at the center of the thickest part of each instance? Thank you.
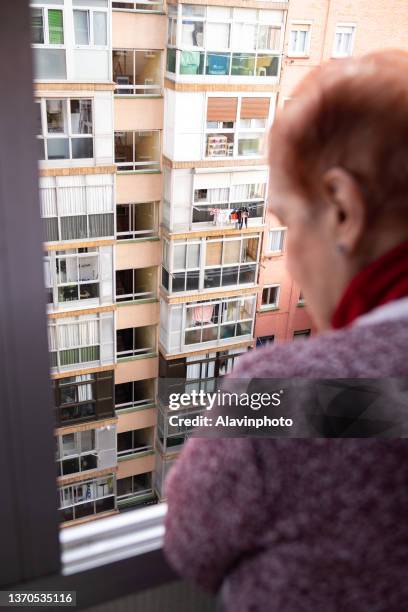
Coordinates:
(234, 21)
(340, 26)
(268, 305)
(138, 166)
(68, 132)
(91, 26)
(283, 230)
(45, 27)
(131, 90)
(237, 131)
(300, 26)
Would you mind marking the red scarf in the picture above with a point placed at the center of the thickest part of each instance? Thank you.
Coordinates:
(382, 281)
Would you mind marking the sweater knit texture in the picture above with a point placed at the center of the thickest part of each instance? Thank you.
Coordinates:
(299, 525)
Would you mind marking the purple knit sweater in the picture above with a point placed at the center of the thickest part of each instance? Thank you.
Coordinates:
(313, 525)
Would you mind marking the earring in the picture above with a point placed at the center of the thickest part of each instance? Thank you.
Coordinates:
(341, 248)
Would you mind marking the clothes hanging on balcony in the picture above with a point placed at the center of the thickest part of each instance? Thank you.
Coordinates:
(202, 314)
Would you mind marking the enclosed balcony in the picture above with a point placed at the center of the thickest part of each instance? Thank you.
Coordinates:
(137, 73)
(137, 151)
(135, 341)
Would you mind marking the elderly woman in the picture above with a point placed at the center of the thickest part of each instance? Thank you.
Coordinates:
(318, 525)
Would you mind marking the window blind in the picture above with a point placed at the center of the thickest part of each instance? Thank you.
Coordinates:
(255, 108)
(222, 109)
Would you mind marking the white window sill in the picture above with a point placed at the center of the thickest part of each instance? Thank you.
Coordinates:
(112, 539)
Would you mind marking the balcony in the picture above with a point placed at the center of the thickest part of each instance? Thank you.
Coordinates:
(81, 451)
(87, 498)
(135, 442)
(137, 73)
(137, 151)
(139, 220)
(134, 285)
(136, 394)
(135, 342)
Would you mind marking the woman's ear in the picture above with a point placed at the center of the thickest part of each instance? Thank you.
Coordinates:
(343, 196)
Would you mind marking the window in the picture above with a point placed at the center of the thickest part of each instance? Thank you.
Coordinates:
(218, 320)
(140, 6)
(135, 284)
(137, 72)
(134, 486)
(217, 40)
(215, 205)
(236, 126)
(137, 151)
(86, 498)
(270, 297)
(264, 340)
(66, 129)
(210, 264)
(84, 397)
(76, 452)
(47, 26)
(79, 340)
(139, 220)
(135, 441)
(302, 333)
(73, 275)
(299, 40)
(276, 240)
(344, 40)
(77, 207)
(135, 394)
(90, 27)
(135, 341)
(301, 299)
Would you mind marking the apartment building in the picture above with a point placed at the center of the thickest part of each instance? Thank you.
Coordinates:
(138, 55)
(74, 105)
(316, 32)
(220, 90)
(98, 86)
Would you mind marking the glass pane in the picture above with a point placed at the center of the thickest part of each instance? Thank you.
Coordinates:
(269, 37)
(232, 249)
(218, 36)
(122, 66)
(81, 26)
(192, 34)
(243, 64)
(55, 27)
(244, 36)
(213, 253)
(193, 279)
(220, 145)
(147, 148)
(230, 275)
(99, 28)
(171, 60)
(193, 10)
(249, 144)
(37, 26)
(267, 65)
(56, 111)
(179, 257)
(191, 62)
(212, 278)
(178, 281)
(193, 256)
(81, 116)
(148, 66)
(218, 63)
(82, 148)
(247, 274)
(57, 148)
(123, 147)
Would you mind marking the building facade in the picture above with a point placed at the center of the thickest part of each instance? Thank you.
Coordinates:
(161, 258)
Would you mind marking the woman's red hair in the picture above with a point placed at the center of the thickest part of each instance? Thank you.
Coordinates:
(353, 114)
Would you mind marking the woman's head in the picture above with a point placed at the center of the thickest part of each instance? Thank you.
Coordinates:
(339, 172)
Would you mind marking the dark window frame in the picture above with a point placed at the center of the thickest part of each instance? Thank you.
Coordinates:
(30, 551)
